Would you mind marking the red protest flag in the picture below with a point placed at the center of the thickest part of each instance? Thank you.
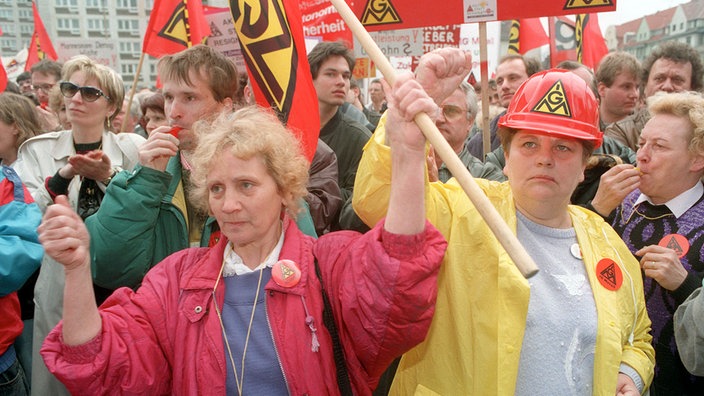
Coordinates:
(403, 14)
(174, 25)
(321, 20)
(525, 35)
(271, 37)
(3, 78)
(40, 46)
(591, 46)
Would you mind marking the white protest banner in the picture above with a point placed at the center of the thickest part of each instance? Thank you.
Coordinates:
(103, 51)
(223, 36)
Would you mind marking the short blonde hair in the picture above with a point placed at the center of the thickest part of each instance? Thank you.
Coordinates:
(688, 105)
(110, 82)
(247, 133)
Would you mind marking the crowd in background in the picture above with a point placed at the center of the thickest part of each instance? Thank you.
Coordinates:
(134, 189)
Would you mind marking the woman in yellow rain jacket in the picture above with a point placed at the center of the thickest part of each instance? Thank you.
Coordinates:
(580, 325)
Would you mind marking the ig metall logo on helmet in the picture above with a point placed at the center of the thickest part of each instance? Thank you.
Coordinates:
(554, 101)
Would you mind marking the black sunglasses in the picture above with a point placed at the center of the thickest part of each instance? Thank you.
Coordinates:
(89, 94)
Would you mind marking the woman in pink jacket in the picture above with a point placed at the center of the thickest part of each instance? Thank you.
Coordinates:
(246, 316)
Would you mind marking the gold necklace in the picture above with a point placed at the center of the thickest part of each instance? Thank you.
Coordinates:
(239, 380)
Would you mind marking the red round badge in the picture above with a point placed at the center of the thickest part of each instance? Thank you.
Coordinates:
(286, 273)
(609, 274)
(676, 242)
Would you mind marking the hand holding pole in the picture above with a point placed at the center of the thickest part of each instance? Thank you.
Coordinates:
(497, 225)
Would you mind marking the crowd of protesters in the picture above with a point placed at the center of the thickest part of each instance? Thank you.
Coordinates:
(188, 246)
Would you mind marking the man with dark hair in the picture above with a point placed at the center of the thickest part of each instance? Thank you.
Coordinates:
(331, 65)
(512, 71)
(24, 80)
(45, 74)
(617, 82)
(671, 67)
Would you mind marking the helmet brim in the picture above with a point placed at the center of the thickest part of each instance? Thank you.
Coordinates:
(546, 125)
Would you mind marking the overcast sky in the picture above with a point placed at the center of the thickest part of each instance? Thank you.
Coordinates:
(628, 10)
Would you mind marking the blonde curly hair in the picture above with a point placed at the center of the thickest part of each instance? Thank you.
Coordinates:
(688, 105)
(247, 133)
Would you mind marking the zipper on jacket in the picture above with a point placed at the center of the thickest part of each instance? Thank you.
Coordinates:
(273, 341)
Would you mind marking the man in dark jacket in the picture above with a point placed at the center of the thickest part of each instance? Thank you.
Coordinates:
(331, 65)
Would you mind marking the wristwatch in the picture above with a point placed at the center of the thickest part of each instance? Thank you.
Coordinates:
(109, 179)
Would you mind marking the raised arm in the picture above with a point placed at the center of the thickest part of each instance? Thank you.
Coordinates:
(441, 71)
(406, 213)
(124, 230)
(66, 240)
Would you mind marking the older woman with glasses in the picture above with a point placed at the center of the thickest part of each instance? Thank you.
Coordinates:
(78, 163)
(247, 316)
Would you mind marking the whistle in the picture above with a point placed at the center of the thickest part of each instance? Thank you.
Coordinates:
(174, 131)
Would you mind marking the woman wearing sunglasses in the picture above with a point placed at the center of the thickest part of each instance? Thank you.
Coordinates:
(78, 163)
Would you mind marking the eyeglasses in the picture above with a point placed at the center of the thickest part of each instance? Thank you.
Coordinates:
(42, 87)
(89, 94)
(452, 112)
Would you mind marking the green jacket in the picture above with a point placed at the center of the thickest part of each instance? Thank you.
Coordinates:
(141, 221)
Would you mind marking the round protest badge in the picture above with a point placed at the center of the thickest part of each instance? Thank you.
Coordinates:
(676, 242)
(576, 251)
(286, 273)
(609, 274)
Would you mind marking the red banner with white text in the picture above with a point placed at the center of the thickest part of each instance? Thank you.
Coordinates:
(403, 14)
(321, 20)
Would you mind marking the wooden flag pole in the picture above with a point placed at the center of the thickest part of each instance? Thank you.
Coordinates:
(497, 225)
(484, 70)
(132, 91)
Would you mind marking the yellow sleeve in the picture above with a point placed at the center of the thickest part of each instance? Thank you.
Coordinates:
(640, 355)
(372, 185)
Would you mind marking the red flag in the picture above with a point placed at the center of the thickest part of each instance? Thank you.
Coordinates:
(271, 37)
(591, 46)
(174, 25)
(404, 14)
(3, 78)
(40, 46)
(525, 35)
(562, 44)
(321, 20)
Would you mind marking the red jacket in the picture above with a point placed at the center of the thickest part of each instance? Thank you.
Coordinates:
(166, 339)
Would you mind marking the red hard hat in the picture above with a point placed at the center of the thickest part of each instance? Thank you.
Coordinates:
(555, 102)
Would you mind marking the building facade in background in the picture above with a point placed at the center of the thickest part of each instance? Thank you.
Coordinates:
(110, 31)
(684, 23)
